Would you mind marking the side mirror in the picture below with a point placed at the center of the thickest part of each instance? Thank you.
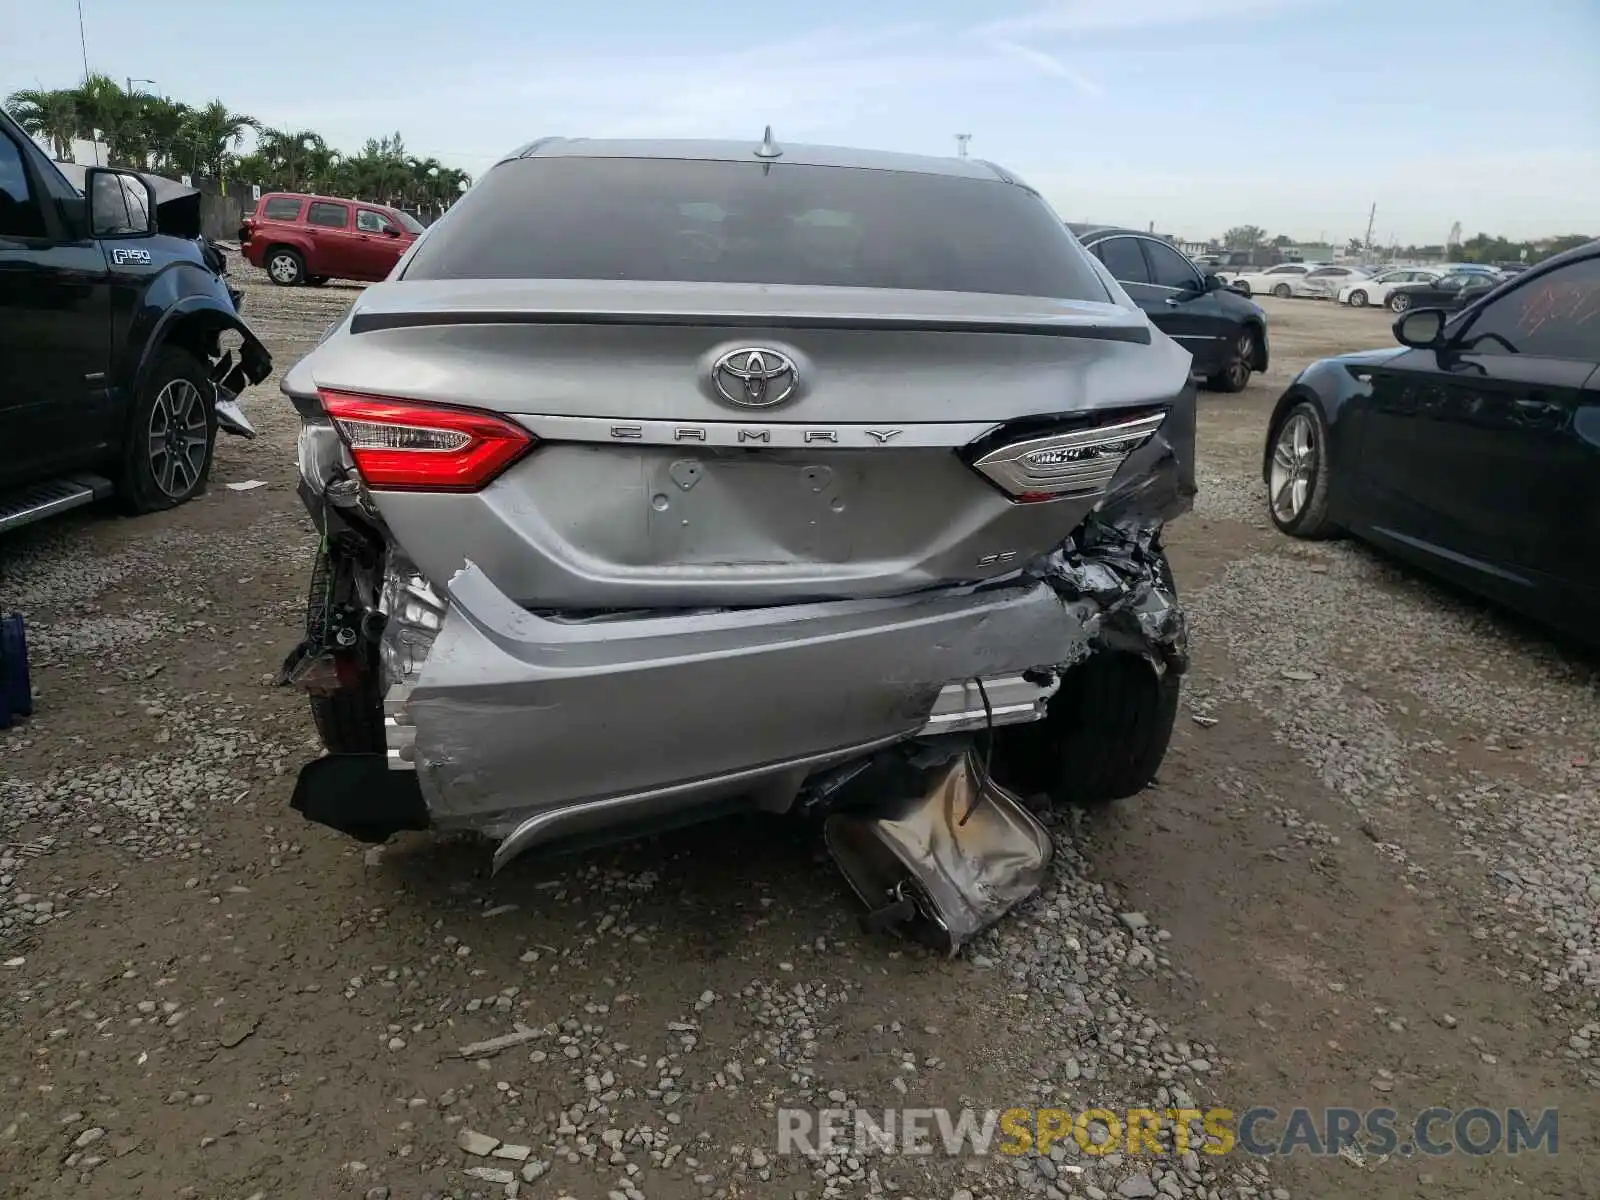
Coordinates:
(120, 204)
(1212, 283)
(1421, 328)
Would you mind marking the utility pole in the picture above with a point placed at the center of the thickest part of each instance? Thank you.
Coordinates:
(1371, 217)
(83, 44)
(961, 144)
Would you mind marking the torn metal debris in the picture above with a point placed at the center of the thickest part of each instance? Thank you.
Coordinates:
(944, 852)
(1123, 569)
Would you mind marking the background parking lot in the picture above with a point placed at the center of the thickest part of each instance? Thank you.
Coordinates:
(1369, 876)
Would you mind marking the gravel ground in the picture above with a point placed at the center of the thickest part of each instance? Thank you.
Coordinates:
(1370, 875)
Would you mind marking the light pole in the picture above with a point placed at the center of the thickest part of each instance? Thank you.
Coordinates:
(132, 81)
(961, 144)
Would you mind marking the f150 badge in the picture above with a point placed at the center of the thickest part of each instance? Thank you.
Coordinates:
(119, 256)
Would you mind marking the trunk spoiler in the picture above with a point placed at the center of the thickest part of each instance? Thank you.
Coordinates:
(416, 304)
(374, 322)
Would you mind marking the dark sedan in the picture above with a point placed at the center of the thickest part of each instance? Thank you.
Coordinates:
(1224, 331)
(1472, 448)
(1449, 292)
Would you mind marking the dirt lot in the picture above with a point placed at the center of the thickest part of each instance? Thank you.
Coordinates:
(1372, 882)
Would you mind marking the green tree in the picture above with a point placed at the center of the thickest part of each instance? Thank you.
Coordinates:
(1244, 237)
(51, 115)
(211, 135)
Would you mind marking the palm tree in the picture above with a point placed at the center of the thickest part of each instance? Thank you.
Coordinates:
(109, 114)
(164, 123)
(290, 159)
(211, 135)
(48, 114)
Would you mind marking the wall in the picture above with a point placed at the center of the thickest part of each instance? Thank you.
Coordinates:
(219, 215)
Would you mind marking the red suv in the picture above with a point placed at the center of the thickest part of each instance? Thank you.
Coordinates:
(311, 239)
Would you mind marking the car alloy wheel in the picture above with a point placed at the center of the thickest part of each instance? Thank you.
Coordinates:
(178, 438)
(284, 269)
(1399, 302)
(1238, 368)
(1358, 299)
(1281, 291)
(1296, 459)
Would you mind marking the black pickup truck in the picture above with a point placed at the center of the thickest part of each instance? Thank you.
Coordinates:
(113, 379)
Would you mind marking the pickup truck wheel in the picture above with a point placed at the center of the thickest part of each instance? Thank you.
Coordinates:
(167, 458)
(285, 267)
(350, 721)
(1103, 739)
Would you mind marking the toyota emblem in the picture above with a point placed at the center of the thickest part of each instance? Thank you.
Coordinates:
(755, 377)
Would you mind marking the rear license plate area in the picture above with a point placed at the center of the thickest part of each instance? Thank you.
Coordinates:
(707, 510)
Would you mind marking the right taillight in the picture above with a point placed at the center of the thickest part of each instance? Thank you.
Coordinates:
(1074, 462)
(401, 445)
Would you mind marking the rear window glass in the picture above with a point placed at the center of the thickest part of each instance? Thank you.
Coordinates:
(768, 223)
(281, 208)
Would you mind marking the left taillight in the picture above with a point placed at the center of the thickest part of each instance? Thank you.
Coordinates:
(404, 446)
(1072, 462)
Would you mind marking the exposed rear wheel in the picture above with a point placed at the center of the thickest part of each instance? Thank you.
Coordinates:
(1281, 291)
(1358, 299)
(1104, 737)
(1399, 302)
(350, 721)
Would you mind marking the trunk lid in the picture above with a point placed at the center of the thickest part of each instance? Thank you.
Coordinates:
(653, 486)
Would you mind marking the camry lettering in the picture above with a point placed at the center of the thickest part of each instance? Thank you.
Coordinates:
(718, 433)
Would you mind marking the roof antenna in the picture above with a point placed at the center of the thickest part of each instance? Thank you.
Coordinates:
(768, 147)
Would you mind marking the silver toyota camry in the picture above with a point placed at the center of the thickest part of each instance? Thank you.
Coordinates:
(663, 479)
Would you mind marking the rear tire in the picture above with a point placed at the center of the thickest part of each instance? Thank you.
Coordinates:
(1103, 739)
(1235, 373)
(350, 721)
(1399, 302)
(1281, 291)
(284, 266)
(1358, 299)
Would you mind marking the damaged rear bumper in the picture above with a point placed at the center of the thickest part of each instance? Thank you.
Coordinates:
(531, 728)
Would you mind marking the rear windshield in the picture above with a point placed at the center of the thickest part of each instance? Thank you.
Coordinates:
(696, 221)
